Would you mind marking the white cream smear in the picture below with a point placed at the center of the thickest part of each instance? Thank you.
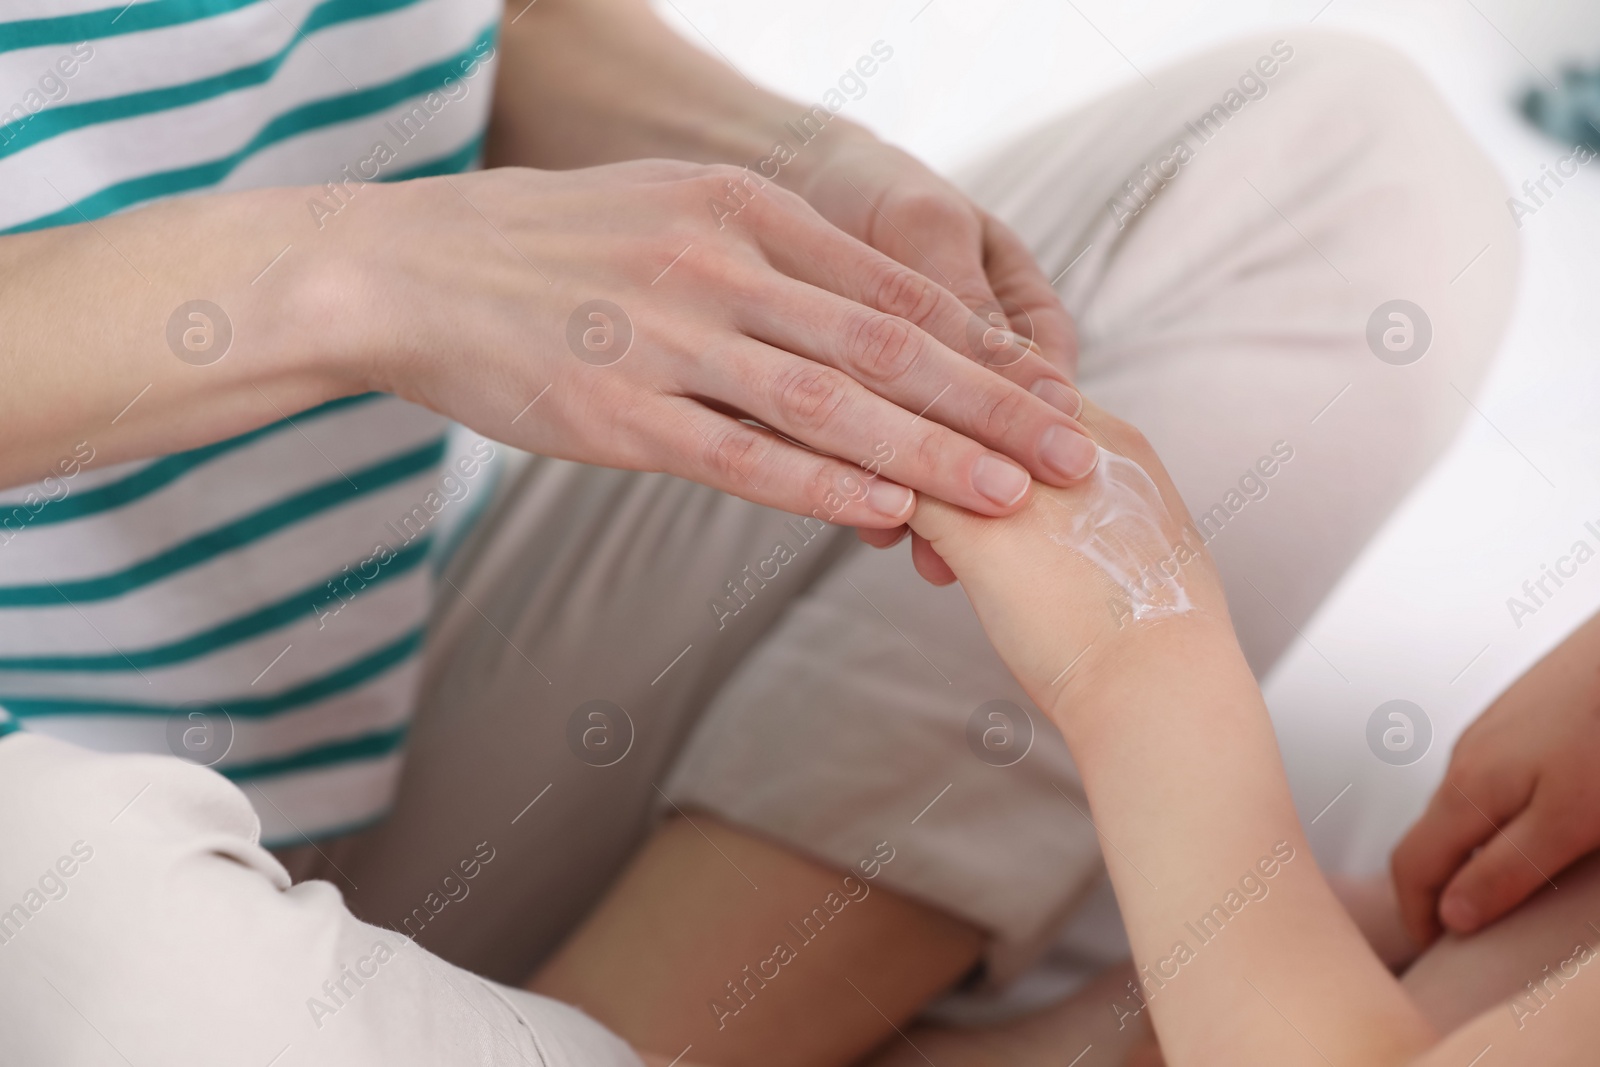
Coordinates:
(1118, 528)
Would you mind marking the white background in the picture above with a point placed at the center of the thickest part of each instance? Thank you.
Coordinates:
(1422, 615)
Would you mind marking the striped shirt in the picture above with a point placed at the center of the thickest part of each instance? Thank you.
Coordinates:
(256, 604)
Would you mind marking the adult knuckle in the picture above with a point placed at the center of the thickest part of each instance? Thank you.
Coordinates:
(714, 268)
(731, 454)
(812, 395)
(778, 196)
(885, 348)
(719, 181)
(931, 450)
(1002, 409)
(823, 489)
(927, 208)
(900, 291)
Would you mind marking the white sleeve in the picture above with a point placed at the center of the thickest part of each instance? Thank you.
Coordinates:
(141, 919)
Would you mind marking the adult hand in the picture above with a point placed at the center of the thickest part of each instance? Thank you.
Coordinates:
(1520, 800)
(892, 201)
(760, 350)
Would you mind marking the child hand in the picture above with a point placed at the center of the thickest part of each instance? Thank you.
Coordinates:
(1081, 572)
(1519, 802)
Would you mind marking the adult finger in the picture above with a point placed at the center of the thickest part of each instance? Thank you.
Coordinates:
(804, 246)
(891, 357)
(758, 465)
(1436, 846)
(1517, 861)
(938, 234)
(827, 410)
(1031, 303)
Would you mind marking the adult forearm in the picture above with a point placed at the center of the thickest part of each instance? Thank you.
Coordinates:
(103, 353)
(585, 82)
(1244, 953)
(476, 294)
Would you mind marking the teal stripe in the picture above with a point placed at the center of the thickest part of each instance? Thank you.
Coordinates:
(8, 725)
(111, 22)
(366, 747)
(303, 119)
(166, 470)
(340, 681)
(295, 607)
(230, 537)
(53, 121)
(455, 162)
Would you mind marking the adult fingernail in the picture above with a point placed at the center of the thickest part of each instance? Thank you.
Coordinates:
(889, 500)
(1002, 482)
(1067, 452)
(1457, 914)
(1061, 397)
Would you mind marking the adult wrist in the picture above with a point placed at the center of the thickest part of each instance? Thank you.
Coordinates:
(328, 317)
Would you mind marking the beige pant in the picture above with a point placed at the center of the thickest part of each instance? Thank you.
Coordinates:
(1223, 307)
